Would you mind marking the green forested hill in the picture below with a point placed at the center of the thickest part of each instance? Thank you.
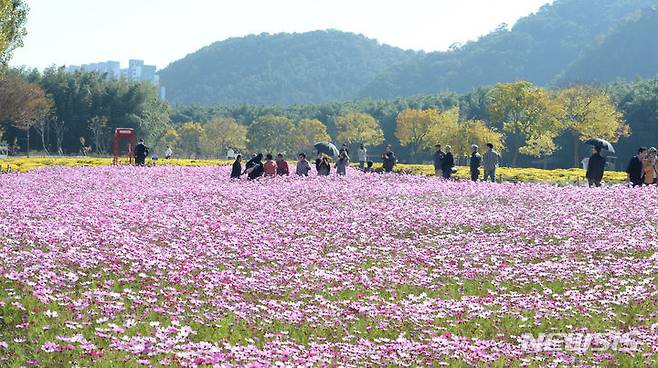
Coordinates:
(281, 69)
(630, 51)
(538, 48)
(565, 42)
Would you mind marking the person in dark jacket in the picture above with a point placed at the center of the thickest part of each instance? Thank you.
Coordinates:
(438, 160)
(634, 169)
(141, 152)
(389, 159)
(448, 163)
(476, 161)
(595, 168)
(254, 167)
(322, 166)
(236, 171)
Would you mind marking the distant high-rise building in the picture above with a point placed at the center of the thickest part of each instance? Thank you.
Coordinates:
(136, 71)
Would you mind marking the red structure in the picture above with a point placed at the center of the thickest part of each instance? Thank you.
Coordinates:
(129, 135)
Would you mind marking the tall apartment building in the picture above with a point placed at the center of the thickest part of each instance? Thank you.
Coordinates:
(136, 71)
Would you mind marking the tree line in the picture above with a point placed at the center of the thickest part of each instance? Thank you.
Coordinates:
(533, 126)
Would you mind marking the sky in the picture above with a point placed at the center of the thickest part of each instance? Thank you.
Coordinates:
(74, 32)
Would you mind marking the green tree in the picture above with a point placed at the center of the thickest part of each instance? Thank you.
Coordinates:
(590, 113)
(13, 16)
(359, 128)
(190, 137)
(525, 112)
(309, 132)
(222, 134)
(270, 134)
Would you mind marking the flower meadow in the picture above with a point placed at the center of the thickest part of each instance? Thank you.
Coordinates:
(182, 267)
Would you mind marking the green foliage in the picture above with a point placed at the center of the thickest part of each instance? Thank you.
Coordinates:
(270, 134)
(281, 68)
(13, 16)
(79, 97)
(541, 48)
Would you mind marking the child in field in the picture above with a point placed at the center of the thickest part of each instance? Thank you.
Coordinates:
(368, 168)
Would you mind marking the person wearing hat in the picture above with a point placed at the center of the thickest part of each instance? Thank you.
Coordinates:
(141, 152)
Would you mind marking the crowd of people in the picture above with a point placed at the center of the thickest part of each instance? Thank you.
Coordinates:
(642, 168)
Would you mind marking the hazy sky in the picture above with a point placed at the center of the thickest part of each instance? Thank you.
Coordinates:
(69, 32)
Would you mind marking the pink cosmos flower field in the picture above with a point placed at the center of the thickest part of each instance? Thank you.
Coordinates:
(182, 267)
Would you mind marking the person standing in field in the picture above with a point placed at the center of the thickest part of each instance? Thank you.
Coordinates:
(141, 152)
(363, 156)
(282, 166)
(490, 162)
(476, 161)
(322, 166)
(595, 168)
(650, 165)
(448, 163)
(236, 170)
(438, 158)
(342, 163)
(303, 167)
(254, 167)
(269, 167)
(168, 153)
(635, 168)
(389, 159)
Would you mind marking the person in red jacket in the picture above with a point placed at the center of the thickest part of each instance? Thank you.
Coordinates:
(270, 166)
(281, 166)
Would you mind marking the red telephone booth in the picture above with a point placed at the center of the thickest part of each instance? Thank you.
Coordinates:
(128, 135)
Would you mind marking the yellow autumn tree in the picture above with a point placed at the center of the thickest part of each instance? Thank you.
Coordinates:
(359, 128)
(589, 112)
(307, 133)
(525, 112)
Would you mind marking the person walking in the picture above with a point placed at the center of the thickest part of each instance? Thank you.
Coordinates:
(650, 167)
(476, 161)
(269, 167)
(169, 153)
(254, 167)
(635, 168)
(141, 152)
(342, 163)
(490, 162)
(595, 168)
(282, 166)
(363, 157)
(438, 158)
(303, 167)
(448, 163)
(389, 159)
(236, 170)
